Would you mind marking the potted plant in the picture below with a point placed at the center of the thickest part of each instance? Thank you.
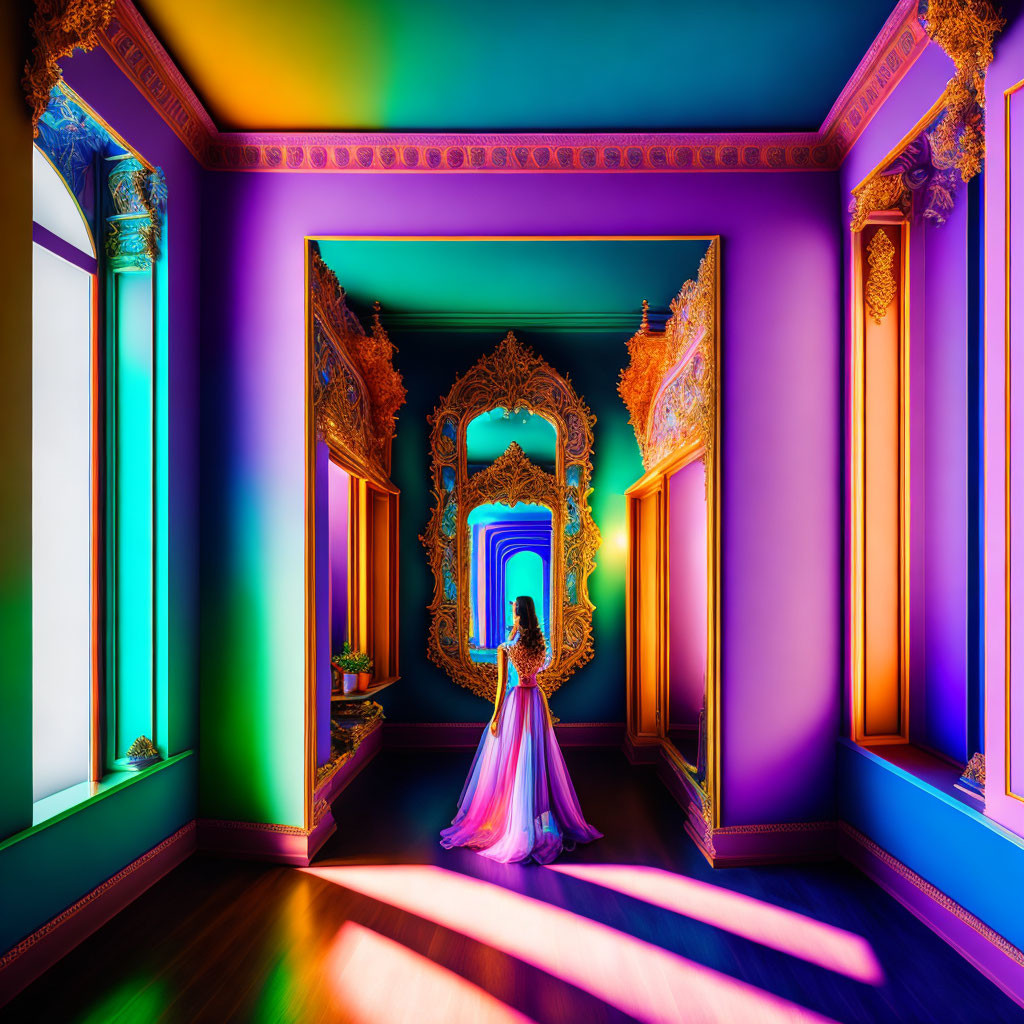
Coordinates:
(344, 664)
(142, 753)
(362, 665)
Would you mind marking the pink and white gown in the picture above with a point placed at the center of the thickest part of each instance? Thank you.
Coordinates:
(518, 802)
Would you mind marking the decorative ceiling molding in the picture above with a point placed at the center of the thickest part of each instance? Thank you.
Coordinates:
(136, 50)
(923, 178)
(890, 56)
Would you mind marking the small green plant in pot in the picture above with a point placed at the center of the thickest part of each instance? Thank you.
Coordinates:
(343, 665)
(362, 665)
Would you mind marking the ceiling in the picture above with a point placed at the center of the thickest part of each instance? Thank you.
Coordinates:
(531, 65)
(491, 284)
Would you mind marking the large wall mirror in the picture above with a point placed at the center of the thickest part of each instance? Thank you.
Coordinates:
(671, 389)
(511, 446)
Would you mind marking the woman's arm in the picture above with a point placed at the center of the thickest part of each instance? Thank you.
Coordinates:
(499, 694)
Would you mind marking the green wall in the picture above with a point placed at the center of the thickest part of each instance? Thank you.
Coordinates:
(15, 426)
(429, 361)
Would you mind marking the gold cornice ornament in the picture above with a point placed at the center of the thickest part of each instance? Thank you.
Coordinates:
(59, 27)
(965, 29)
(357, 391)
(514, 378)
(880, 192)
(952, 149)
(880, 287)
(669, 385)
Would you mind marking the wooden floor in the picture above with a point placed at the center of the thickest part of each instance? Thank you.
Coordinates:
(393, 928)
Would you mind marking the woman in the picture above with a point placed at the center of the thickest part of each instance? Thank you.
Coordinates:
(518, 802)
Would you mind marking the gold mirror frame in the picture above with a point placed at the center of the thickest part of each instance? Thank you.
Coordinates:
(512, 377)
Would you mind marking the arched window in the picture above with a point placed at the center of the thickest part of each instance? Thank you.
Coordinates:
(64, 498)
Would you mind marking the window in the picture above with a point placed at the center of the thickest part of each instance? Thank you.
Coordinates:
(64, 497)
(96, 464)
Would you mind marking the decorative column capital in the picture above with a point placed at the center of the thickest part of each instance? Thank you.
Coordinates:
(59, 27)
(140, 197)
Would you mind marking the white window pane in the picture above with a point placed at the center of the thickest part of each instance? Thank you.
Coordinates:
(61, 520)
(54, 207)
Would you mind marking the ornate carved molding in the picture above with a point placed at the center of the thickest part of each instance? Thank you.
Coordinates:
(134, 47)
(512, 377)
(59, 27)
(138, 53)
(357, 391)
(669, 386)
(924, 177)
(880, 287)
(901, 41)
(512, 478)
(965, 29)
(879, 192)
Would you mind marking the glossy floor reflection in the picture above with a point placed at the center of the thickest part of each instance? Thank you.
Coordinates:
(389, 927)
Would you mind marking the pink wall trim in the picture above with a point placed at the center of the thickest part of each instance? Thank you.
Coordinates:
(889, 57)
(139, 54)
(1000, 961)
(38, 952)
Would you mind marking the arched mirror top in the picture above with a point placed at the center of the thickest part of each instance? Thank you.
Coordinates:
(489, 433)
(512, 432)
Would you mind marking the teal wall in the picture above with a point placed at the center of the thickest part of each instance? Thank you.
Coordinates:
(429, 361)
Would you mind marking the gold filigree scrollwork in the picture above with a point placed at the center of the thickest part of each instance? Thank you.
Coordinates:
(512, 377)
(880, 192)
(880, 286)
(60, 27)
(965, 29)
(669, 385)
(357, 391)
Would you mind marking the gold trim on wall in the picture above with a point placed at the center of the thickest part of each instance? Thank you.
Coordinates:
(698, 436)
(512, 377)
(862, 305)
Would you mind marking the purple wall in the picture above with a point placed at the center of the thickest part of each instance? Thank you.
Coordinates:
(687, 594)
(781, 404)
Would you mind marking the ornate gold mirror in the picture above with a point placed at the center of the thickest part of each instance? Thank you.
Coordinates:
(511, 445)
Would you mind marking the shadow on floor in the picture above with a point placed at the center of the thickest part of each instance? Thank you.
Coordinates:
(388, 927)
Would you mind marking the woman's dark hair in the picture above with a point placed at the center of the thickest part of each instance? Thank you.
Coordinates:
(530, 635)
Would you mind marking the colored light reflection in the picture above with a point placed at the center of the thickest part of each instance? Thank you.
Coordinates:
(781, 929)
(375, 980)
(648, 983)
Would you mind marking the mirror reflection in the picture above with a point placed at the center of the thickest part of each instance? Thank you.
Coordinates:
(510, 554)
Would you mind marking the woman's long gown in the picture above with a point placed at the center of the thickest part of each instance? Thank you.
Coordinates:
(518, 802)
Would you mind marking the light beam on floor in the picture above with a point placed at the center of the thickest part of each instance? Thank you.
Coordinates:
(375, 980)
(640, 979)
(785, 930)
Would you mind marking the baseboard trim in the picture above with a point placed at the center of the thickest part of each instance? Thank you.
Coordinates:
(787, 842)
(289, 844)
(36, 953)
(466, 735)
(983, 947)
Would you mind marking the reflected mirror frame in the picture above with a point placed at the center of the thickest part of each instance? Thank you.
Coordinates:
(515, 378)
